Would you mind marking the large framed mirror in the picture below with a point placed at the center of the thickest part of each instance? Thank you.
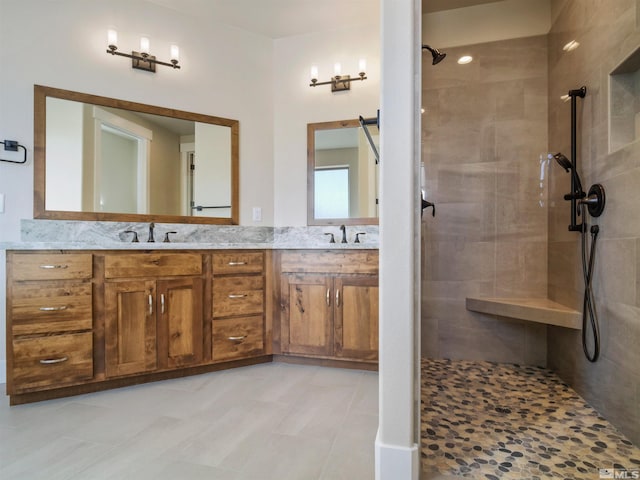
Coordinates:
(342, 174)
(99, 158)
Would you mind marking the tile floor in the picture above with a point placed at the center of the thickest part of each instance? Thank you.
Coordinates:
(271, 421)
(494, 421)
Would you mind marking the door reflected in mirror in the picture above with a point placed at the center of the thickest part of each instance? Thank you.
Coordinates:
(107, 159)
(342, 174)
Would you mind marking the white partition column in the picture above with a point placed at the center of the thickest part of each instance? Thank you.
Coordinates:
(397, 442)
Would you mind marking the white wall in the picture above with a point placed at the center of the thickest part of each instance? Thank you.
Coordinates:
(225, 72)
(296, 104)
(398, 439)
(62, 44)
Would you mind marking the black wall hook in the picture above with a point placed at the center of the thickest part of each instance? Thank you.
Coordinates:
(12, 146)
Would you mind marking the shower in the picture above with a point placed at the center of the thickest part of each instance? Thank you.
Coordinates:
(581, 202)
(438, 56)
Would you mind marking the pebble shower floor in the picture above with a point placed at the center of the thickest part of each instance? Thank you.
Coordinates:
(493, 421)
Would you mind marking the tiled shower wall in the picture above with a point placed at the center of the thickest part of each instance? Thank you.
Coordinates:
(608, 31)
(484, 130)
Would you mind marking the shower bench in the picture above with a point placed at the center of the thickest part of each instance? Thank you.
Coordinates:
(540, 310)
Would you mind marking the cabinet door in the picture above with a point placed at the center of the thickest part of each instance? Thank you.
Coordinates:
(307, 306)
(179, 306)
(130, 327)
(356, 317)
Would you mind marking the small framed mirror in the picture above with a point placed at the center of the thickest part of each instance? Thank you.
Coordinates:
(342, 174)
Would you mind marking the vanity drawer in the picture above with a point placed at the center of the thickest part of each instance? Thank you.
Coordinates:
(237, 338)
(239, 262)
(238, 296)
(307, 261)
(51, 266)
(59, 307)
(152, 265)
(52, 360)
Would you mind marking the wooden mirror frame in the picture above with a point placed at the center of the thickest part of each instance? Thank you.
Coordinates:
(311, 164)
(40, 95)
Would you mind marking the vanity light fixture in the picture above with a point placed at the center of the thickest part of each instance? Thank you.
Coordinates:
(339, 82)
(142, 60)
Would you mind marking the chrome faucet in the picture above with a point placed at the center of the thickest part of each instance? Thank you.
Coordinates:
(344, 233)
(151, 227)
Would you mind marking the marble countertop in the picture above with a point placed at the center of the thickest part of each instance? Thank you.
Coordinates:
(181, 246)
(74, 235)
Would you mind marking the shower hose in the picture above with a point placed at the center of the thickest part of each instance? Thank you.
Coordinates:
(589, 313)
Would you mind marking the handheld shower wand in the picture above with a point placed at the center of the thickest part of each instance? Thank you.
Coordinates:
(565, 163)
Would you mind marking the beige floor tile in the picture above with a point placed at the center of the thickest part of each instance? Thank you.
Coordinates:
(276, 420)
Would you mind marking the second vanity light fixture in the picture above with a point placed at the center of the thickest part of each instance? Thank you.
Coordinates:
(142, 60)
(339, 82)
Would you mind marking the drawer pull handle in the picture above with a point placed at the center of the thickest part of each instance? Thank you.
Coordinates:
(150, 304)
(237, 295)
(237, 339)
(235, 264)
(328, 297)
(337, 298)
(53, 361)
(52, 267)
(162, 303)
(53, 309)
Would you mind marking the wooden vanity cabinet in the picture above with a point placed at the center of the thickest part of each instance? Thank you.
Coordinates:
(81, 321)
(329, 304)
(238, 305)
(49, 320)
(153, 312)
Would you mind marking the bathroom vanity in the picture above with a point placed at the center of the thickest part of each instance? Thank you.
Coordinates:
(88, 309)
(88, 320)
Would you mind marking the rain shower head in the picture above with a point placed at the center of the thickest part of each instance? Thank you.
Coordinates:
(438, 56)
(565, 163)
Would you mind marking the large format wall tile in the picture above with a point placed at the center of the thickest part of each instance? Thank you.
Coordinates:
(608, 32)
(484, 131)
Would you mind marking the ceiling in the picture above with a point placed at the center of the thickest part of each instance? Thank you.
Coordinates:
(285, 18)
(280, 18)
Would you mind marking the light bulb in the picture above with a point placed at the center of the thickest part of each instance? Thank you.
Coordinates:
(144, 45)
(314, 72)
(362, 65)
(112, 38)
(337, 70)
(175, 53)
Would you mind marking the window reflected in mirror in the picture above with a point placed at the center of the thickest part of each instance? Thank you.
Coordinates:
(342, 174)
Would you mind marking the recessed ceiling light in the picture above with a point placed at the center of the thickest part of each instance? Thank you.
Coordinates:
(465, 59)
(572, 45)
